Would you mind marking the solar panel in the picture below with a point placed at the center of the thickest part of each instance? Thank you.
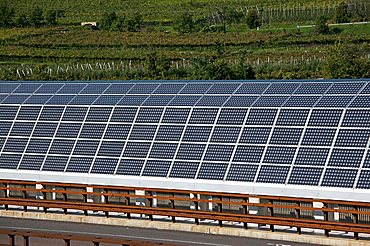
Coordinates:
(306, 133)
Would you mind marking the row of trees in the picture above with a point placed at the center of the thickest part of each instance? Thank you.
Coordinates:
(37, 17)
(113, 22)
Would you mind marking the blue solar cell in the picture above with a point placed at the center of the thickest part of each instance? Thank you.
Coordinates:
(305, 176)
(242, 172)
(28, 113)
(286, 136)
(149, 115)
(8, 112)
(15, 99)
(9, 161)
(261, 116)
(231, 116)
(31, 162)
(203, 116)
(62, 146)
(312, 156)
(197, 133)
(143, 88)
(83, 100)
(196, 88)
(225, 134)
(156, 168)
(279, 155)
(136, 149)
(184, 169)
(55, 163)
(169, 133)
(176, 115)
(352, 138)
(38, 145)
(111, 148)
(364, 180)
(360, 102)
(270, 101)
(255, 135)
(367, 160)
(2, 141)
(212, 171)
(163, 150)
(38, 99)
(98, 114)
(328, 117)
(7, 88)
(319, 136)
(27, 88)
(104, 165)
(281, 88)
(130, 167)
(23, 129)
(79, 164)
(49, 88)
(51, 113)
(94, 89)
(74, 114)
(158, 100)
(2, 97)
(5, 128)
(248, 154)
(190, 151)
(345, 88)
(252, 88)
(119, 88)
(92, 131)
(123, 114)
(143, 132)
(86, 147)
(334, 101)
(240, 101)
(60, 99)
(71, 88)
(273, 174)
(223, 88)
(344, 178)
(366, 90)
(301, 101)
(117, 131)
(313, 88)
(132, 100)
(346, 157)
(68, 130)
(108, 100)
(169, 88)
(181, 100)
(292, 117)
(215, 101)
(218, 152)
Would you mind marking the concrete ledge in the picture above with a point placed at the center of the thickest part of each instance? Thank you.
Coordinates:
(252, 233)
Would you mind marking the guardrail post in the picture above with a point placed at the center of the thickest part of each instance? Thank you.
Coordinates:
(25, 197)
(196, 203)
(326, 218)
(245, 211)
(355, 221)
(271, 214)
(96, 243)
(11, 240)
(44, 194)
(298, 216)
(6, 195)
(67, 242)
(65, 198)
(219, 209)
(172, 203)
(85, 200)
(106, 200)
(150, 204)
(127, 203)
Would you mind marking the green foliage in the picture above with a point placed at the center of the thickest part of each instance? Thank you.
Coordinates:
(253, 20)
(342, 14)
(156, 66)
(347, 61)
(51, 17)
(113, 22)
(22, 21)
(36, 18)
(6, 13)
(107, 20)
(134, 23)
(321, 26)
(184, 23)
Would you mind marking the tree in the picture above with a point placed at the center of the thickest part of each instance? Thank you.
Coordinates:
(22, 21)
(321, 26)
(347, 61)
(341, 13)
(156, 65)
(184, 23)
(253, 19)
(108, 19)
(51, 17)
(36, 18)
(6, 13)
(134, 23)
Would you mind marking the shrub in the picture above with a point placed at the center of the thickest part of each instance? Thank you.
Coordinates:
(184, 23)
(321, 26)
(6, 14)
(253, 19)
(36, 18)
(341, 13)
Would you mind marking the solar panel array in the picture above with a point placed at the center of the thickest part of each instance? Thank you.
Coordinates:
(300, 133)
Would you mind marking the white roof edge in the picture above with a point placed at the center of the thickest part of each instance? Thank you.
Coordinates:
(330, 193)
